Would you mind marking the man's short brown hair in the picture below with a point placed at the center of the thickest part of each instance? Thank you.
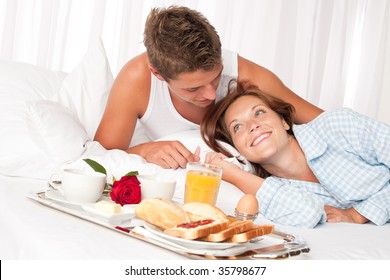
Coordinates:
(178, 40)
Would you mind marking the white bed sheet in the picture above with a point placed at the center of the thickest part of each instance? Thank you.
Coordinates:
(30, 230)
(32, 146)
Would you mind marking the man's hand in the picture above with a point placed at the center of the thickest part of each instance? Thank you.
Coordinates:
(337, 215)
(167, 154)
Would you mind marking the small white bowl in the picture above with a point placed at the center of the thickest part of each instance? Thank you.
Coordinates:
(153, 186)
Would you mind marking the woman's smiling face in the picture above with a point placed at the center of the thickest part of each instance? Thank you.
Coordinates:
(257, 131)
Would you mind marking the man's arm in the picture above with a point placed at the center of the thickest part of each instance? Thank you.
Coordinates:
(271, 84)
(127, 102)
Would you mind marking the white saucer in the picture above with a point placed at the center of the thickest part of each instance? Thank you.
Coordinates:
(127, 211)
(56, 195)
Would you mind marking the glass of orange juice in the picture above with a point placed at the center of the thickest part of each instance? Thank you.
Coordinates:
(202, 182)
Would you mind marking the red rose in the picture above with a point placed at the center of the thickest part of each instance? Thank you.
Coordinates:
(126, 191)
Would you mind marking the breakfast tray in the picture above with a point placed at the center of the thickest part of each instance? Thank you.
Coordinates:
(277, 245)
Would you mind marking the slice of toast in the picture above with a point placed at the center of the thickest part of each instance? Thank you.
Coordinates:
(252, 233)
(241, 226)
(233, 228)
(161, 212)
(197, 229)
(220, 236)
(199, 211)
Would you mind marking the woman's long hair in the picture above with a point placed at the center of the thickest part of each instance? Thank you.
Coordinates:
(213, 128)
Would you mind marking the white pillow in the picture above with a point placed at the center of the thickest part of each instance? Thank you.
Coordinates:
(20, 82)
(85, 90)
(55, 130)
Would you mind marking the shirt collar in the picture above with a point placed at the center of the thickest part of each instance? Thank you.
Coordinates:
(312, 145)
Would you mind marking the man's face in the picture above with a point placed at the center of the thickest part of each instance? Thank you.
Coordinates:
(198, 88)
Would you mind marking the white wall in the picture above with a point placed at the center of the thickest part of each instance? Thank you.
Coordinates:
(384, 99)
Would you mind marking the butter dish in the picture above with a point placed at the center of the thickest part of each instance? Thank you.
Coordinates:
(125, 214)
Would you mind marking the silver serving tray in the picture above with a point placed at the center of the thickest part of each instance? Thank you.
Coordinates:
(278, 245)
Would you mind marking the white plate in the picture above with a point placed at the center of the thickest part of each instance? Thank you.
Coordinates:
(126, 213)
(195, 244)
(168, 244)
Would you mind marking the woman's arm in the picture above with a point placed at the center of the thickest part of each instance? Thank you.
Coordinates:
(369, 143)
(337, 215)
(231, 173)
(279, 201)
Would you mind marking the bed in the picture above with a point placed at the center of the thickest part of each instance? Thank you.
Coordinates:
(48, 120)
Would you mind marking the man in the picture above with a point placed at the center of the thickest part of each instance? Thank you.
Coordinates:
(171, 86)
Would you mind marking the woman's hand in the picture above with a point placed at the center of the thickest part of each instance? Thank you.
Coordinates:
(337, 215)
(228, 168)
(220, 160)
(232, 173)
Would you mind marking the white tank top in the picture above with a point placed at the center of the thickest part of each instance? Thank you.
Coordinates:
(162, 119)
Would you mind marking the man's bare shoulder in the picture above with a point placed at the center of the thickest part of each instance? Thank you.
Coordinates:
(133, 83)
(268, 82)
(134, 77)
(136, 69)
(248, 69)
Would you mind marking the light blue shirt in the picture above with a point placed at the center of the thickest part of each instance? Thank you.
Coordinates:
(350, 155)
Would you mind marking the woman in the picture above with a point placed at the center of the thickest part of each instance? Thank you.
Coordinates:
(334, 169)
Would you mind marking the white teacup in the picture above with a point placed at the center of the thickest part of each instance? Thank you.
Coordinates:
(80, 186)
(153, 186)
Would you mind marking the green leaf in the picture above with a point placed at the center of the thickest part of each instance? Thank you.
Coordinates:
(95, 166)
(107, 190)
(132, 173)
